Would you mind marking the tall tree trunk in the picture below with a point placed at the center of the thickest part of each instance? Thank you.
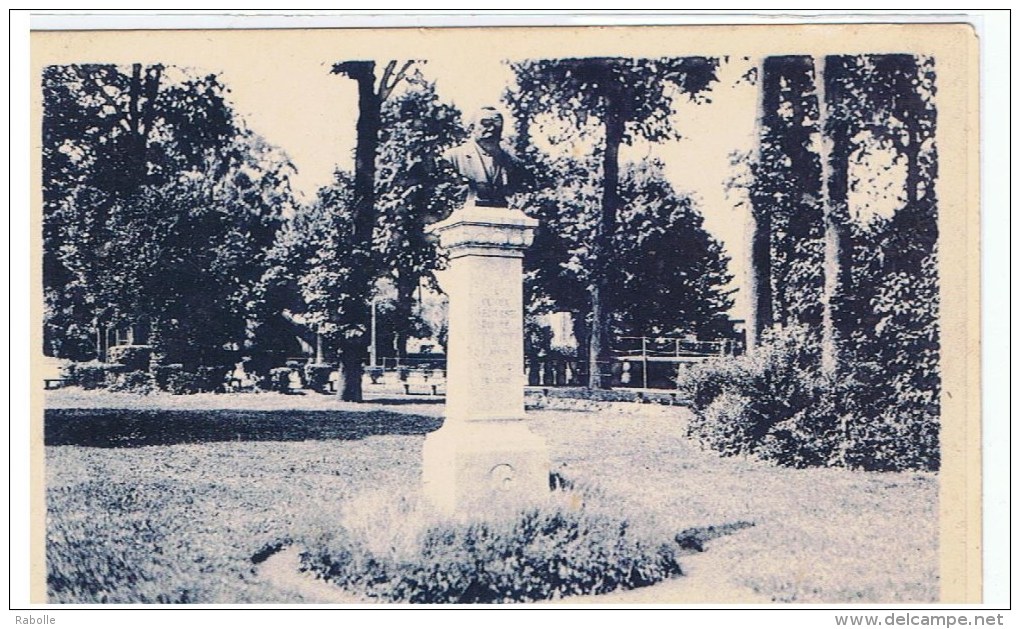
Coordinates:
(760, 278)
(157, 356)
(135, 107)
(404, 312)
(912, 153)
(918, 203)
(600, 343)
(351, 373)
(354, 349)
(910, 111)
(596, 342)
(831, 240)
(136, 166)
(760, 314)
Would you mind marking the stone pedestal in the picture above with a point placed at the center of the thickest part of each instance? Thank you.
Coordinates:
(485, 458)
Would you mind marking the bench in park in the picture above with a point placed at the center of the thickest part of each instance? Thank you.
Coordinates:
(419, 382)
(434, 388)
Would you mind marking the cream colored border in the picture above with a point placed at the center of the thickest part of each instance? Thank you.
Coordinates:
(954, 47)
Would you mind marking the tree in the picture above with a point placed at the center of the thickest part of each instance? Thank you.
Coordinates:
(887, 314)
(363, 268)
(414, 187)
(833, 146)
(331, 255)
(630, 99)
(311, 273)
(672, 272)
(158, 204)
(201, 290)
(786, 199)
(872, 158)
(108, 131)
(885, 104)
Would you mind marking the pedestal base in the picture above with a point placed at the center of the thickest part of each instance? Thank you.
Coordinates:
(485, 467)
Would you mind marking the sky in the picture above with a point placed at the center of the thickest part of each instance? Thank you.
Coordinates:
(314, 124)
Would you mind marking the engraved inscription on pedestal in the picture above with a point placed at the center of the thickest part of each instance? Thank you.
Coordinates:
(485, 458)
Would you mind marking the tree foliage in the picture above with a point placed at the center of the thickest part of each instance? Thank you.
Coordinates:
(879, 409)
(785, 197)
(887, 312)
(414, 188)
(671, 272)
(326, 272)
(668, 275)
(629, 99)
(311, 259)
(158, 207)
(636, 92)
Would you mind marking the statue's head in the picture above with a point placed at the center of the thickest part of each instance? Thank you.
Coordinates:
(488, 125)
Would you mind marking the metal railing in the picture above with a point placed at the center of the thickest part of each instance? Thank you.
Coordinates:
(638, 362)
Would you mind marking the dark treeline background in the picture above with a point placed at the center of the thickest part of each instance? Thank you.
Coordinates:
(170, 226)
(169, 223)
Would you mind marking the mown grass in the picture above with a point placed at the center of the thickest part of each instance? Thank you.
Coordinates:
(820, 535)
(180, 519)
(171, 506)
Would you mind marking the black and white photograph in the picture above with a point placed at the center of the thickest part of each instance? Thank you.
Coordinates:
(578, 316)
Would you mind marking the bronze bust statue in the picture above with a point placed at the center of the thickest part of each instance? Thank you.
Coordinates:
(490, 171)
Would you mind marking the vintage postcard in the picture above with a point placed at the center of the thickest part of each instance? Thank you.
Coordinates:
(580, 315)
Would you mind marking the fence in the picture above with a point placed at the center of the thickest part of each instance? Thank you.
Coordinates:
(638, 361)
(653, 362)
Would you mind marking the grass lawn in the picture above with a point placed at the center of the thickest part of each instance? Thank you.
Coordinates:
(169, 502)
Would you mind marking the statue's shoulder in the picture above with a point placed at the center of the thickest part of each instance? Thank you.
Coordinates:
(509, 158)
(458, 154)
(511, 154)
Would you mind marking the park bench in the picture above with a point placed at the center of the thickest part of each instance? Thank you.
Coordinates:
(418, 380)
(434, 388)
(238, 385)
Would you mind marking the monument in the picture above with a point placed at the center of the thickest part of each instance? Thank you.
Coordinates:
(485, 458)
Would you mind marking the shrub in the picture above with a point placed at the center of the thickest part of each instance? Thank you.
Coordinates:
(134, 357)
(175, 379)
(897, 438)
(542, 553)
(171, 378)
(742, 403)
(130, 381)
(317, 376)
(724, 423)
(210, 378)
(279, 379)
(775, 404)
(92, 375)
